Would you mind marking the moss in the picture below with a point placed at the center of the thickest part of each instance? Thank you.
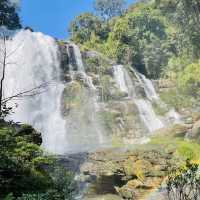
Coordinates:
(117, 141)
(186, 150)
(176, 130)
(97, 64)
(108, 119)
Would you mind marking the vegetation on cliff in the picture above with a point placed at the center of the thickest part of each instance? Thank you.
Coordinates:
(159, 38)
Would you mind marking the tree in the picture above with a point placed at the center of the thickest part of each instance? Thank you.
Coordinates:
(185, 15)
(109, 8)
(189, 79)
(84, 26)
(8, 15)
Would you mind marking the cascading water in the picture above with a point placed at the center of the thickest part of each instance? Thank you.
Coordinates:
(146, 112)
(84, 125)
(34, 62)
(120, 78)
(78, 58)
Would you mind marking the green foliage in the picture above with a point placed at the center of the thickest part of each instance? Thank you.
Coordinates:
(63, 183)
(176, 99)
(8, 15)
(189, 79)
(185, 15)
(117, 141)
(109, 8)
(175, 66)
(62, 187)
(183, 183)
(84, 26)
(97, 65)
(186, 150)
(152, 36)
(140, 38)
(18, 171)
(9, 197)
(23, 167)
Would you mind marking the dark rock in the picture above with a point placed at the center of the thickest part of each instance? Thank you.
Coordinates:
(29, 28)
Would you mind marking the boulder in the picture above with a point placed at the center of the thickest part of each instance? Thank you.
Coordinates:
(177, 130)
(195, 132)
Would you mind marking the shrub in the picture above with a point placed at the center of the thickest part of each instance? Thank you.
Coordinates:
(184, 183)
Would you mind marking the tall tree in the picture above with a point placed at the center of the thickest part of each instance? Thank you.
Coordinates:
(8, 15)
(109, 8)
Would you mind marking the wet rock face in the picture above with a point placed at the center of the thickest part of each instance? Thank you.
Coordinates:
(176, 130)
(64, 58)
(72, 162)
(195, 132)
(129, 175)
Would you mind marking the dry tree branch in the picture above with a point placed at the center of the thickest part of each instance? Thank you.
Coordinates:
(28, 93)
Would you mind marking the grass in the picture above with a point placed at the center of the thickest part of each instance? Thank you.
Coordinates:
(184, 149)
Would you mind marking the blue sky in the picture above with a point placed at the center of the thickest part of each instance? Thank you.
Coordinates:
(53, 17)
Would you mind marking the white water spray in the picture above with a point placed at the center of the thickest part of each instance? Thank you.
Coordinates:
(146, 112)
(35, 61)
(83, 122)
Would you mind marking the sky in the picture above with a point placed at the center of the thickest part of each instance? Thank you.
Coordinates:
(53, 17)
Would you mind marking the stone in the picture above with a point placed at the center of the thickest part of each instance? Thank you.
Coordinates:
(177, 130)
(130, 174)
(67, 78)
(195, 132)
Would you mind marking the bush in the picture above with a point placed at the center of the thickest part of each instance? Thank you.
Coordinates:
(176, 99)
(189, 79)
(26, 170)
(184, 183)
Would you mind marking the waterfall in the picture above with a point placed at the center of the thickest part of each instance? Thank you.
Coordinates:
(146, 112)
(148, 116)
(83, 122)
(78, 58)
(148, 86)
(120, 78)
(34, 62)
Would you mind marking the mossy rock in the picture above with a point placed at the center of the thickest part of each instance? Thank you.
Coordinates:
(195, 132)
(176, 130)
